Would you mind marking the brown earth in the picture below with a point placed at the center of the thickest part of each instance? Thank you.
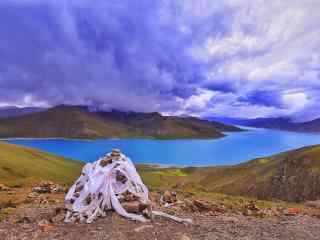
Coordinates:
(224, 226)
(40, 216)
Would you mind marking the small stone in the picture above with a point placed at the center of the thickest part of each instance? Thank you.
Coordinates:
(115, 150)
(292, 211)
(88, 199)
(120, 177)
(313, 204)
(252, 206)
(76, 194)
(142, 228)
(45, 226)
(105, 162)
(115, 153)
(24, 220)
(48, 187)
(184, 237)
(58, 189)
(169, 197)
(58, 218)
(33, 195)
(134, 207)
(4, 188)
(129, 197)
(79, 188)
(43, 201)
(202, 205)
(247, 212)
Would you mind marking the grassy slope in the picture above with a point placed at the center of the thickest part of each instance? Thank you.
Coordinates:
(291, 176)
(20, 165)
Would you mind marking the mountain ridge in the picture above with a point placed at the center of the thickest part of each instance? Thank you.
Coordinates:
(280, 123)
(13, 111)
(66, 121)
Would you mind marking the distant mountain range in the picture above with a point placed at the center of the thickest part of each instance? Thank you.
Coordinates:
(281, 123)
(79, 122)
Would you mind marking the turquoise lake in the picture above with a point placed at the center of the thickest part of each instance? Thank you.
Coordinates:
(235, 148)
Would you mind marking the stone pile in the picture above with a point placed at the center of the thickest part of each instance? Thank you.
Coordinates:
(169, 197)
(110, 183)
(48, 187)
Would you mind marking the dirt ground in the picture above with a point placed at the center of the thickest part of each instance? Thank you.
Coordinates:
(31, 221)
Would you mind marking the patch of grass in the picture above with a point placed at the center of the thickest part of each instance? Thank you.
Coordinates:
(171, 173)
(253, 178)
(21, 166)
(4, 212)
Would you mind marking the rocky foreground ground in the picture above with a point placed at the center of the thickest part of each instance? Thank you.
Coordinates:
(40, 215)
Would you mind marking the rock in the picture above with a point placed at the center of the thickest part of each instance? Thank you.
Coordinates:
(266, 213)
(252, 206)
(196, 205)
(202, 205)
(134, 206)
(184, 237)
(169, 197)
(115, 150)
(43, 201)
(105, 162)
(120, 177)
(46, 226)
(142, 228)
(115, 153)
(78, 188)
(33, 195)
(58, 189)
(58, 218)
(248, 212)
(41, 190)
(59, 210)
(24, 220)
(129, 197)
(48, 187)
(313, 204)
(291, 211)
(4, 188)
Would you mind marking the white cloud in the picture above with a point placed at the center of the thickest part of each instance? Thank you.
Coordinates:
(270, 46)
(295, 101)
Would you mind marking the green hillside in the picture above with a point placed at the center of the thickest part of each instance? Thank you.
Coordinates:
(21, 165)
(291, 176)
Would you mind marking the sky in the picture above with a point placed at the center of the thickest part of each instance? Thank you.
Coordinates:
(227, 58)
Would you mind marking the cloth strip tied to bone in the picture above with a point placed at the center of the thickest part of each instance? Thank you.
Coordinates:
(112, 182)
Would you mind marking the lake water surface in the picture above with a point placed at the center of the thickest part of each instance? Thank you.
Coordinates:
(235, 148)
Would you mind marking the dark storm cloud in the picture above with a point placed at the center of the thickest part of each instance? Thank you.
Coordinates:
(263, 98)
(114, 53)
(180, 57)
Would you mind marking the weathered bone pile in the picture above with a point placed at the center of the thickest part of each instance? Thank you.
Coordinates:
(111, 182)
